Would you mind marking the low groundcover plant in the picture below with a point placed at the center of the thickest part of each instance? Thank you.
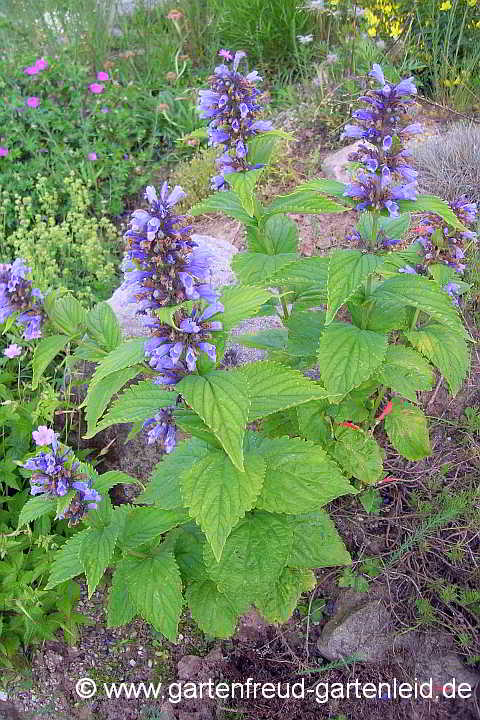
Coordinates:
(234, 514)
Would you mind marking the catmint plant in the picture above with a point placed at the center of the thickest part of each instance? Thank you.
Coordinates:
(234, 514)
(18, 296)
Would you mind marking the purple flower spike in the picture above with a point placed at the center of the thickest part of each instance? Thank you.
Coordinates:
(377, 73)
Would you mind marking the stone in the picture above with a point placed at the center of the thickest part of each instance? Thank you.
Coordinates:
(334, 165)
(436, 660)
(360, 626)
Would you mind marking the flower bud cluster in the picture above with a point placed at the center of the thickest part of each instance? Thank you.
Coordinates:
(18, 295)
(56, 474)
(232, 107)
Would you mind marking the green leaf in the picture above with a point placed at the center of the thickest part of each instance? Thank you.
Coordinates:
(218, 495)
(240, 303)
(163, 488)
(394, 228)
(303, 202)
(312, 423)
(125, 355)
(261, 147)
(348, 356)
(243, 184)
(279, 603)
(100, 393)
(304, 274)
(432, 203)
(446, 350)
(63, 502)
(273, 387)
(147, 523)
(191, 423)
(210, 609)
(225, 202)
(265, 339)
(329, 187)
(252, 560)
(359, 454)
(156, 591)
(281, 423)
(347, 271)
(405, 372)
(68, 316)
(104, 482)
(103, 326)
(417, 291)
(304, 330)
(189, 546)
(277, 236)
(396, 259)
(253, 268)
(352, 408)
(381, 317)
(407, 430)
(95, 553)
(120, 609)
(89, 351)
(136, 404)
(221, 400)
(299, 476)
(35, 508)
(316, 542)
(45, 351)
(66, 561)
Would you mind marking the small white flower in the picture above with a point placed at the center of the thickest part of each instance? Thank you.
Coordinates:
(304, 39)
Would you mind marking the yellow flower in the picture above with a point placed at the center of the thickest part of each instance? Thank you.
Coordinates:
(447, 5)
(471, 3)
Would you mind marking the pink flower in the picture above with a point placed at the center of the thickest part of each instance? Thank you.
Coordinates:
(33, 101)
(92, 156)
(102, 75)
(43, 436)
(13, 351)
(41, 64)
(3, 151)
(31, 70)
(225, 54)
(96, 88)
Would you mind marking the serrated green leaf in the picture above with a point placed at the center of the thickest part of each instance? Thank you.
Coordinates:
(222, 402)
(240, 303)
(125, 355)
(329, 187)
(348, 356)
(424, 294)
(218, 495)
(299, 476)
(312, 422)
(68, 315)
(278, 235)
(225, 202)
(66, 561)
(163, 488)
(211, 610)
(45, 351)
(261, 147)
(89, 351)
(147, 523)
(189, 545)
(279, 603)
(96, 552)
(120, 609)
(103, 326)
(36, 507)
(100, 393)
(396, 259)
(306, 273)
(265, 340)
(434, 204)
(446, 350)
(347, 271)
(157, 591)
(304, 330)
(405, 372)
(281, 423)
(352, 408)
(243, 184)
(358, 454)
(407, 430)
(316, 542)
(381, 317)
(303, 202)
(252, 560)
(273, 387)
(191, 423)
(136, 404)
(254, 268)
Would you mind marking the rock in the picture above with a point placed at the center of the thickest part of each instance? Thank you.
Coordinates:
(361, 626)
(251, 326)
(334, 165)
(435, 659)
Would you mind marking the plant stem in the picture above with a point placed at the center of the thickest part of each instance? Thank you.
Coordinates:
(380, 396)
(286, 314)
(415, 318)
